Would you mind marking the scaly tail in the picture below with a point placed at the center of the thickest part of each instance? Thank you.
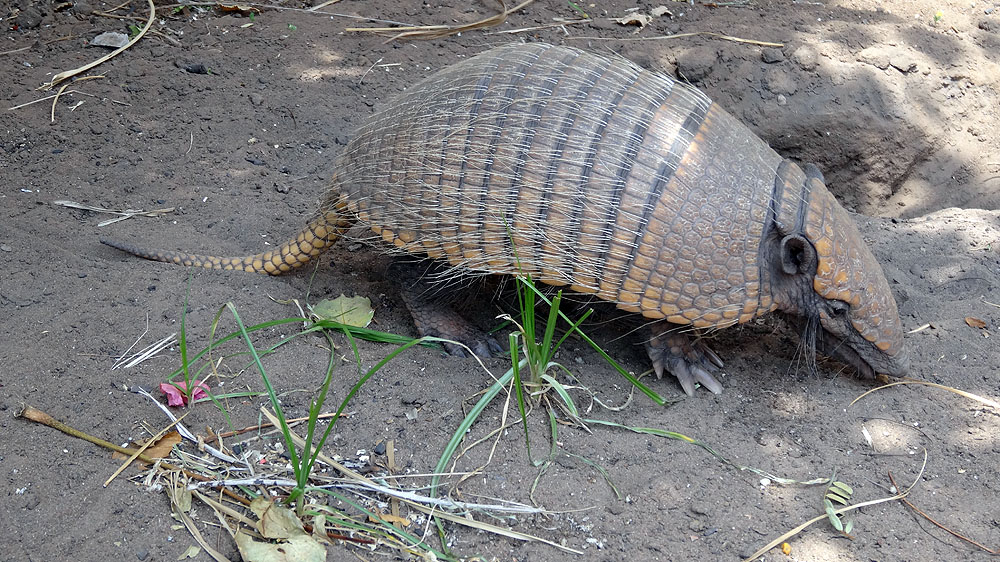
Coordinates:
(314, 239)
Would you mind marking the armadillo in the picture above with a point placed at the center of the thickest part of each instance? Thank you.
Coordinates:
(589, 172)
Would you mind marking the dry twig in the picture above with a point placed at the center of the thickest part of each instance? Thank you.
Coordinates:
(125, 214)
(33, 414)
(439, 31)
(928, 517)
(69, 92)
(149, 443)
(981, 399)
(690, 34)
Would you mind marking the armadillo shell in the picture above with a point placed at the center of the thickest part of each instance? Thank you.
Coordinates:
(576, 169)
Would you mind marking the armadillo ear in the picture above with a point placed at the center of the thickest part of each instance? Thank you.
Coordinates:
(797, 255)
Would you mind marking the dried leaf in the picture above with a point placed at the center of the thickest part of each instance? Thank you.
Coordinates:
(661, 11)
(161, 449)
(390, 518)
(182, 499)
(974, 322)
(111, 39)
(319, 529)
(192, 552)
(641, 20)
(353, 311)
(302, 548)
(244, 10)
(276, 522)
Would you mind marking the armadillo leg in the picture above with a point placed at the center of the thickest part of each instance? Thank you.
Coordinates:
(433, 316)
(673, 349)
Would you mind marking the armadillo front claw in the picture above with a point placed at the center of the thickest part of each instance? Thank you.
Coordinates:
(688, 375)
(690, 361)
(711, 355)
(702, 376)
(482, 345)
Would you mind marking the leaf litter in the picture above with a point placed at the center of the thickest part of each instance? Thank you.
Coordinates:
(247, 500)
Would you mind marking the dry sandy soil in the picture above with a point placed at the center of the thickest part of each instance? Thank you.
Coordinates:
(897, 106)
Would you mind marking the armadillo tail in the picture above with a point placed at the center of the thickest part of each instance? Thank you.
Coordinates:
(314, 239)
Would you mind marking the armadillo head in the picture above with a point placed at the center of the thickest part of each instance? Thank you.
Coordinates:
(832, 281)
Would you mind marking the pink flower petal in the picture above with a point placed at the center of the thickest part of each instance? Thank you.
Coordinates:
(200, 390)
(174, 396)
(177, 397)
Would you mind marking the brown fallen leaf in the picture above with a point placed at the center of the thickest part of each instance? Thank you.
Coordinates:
(641, 20)
(390, 518)
(244, 10)
(974, 322)
(159, 450)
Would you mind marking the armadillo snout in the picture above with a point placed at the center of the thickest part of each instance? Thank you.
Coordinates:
(847, 271)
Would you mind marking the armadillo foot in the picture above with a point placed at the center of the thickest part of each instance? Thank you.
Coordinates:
(433, 317)
(690, 360)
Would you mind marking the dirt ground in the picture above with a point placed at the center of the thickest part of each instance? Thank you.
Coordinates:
(897, 102)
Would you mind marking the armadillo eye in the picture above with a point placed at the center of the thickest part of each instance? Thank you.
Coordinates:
(838, 308)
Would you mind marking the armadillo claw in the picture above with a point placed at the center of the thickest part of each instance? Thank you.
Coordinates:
(712, 356)
(482, 345)
(690, 361)
(680, 370)
(707, 380)
(688, 375)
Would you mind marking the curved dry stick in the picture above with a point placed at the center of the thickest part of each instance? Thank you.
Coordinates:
(35, 415)
(689, 34)
(939, 525)
(439, 31)
(981, 399)
(71, 73)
